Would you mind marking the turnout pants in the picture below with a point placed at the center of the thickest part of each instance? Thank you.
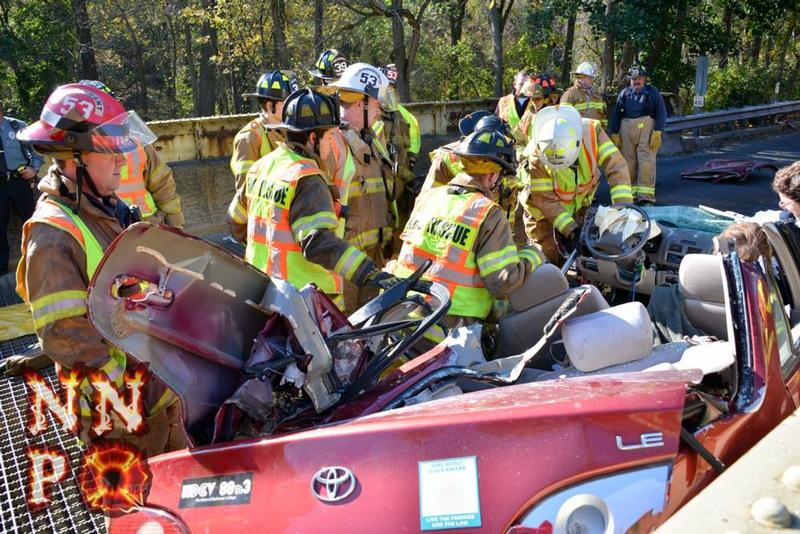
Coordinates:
(635, 136)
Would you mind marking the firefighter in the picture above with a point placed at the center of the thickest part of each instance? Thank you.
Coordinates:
(511, 107)
(147, 182)
(534, 88)
(329, 66)
(464, 231)
(565, 156)
(414, 136)
(287, 212)
(87, 132)
(255, 140)
(445, 163)
(398, 131)
(372, 213)
(635, 127)
(583, 97)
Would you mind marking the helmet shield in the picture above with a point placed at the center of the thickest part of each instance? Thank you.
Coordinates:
(123, 133)
(388, 98)
(557, 133)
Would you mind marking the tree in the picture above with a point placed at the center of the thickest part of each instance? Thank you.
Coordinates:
(498, 16)
(88, 67)
(399, 15)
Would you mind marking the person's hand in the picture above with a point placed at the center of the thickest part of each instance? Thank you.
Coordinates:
(655, 140)
(617, 140)
(381, 279)
(28, 173)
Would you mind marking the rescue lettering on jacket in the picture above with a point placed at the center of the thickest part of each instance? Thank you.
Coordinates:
(442, 229)
(274, 192)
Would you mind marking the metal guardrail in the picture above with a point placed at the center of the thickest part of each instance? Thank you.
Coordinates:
(714, 118)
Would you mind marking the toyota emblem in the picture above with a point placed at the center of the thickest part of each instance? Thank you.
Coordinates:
(333, 484)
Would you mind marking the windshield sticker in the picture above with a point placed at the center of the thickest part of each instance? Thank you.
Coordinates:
(216, 491)
(448, 494)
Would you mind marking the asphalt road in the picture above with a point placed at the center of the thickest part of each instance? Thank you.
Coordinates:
(746, 197)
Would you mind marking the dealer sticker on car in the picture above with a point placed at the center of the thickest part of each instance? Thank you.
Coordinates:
(234, 488)
(448, 494)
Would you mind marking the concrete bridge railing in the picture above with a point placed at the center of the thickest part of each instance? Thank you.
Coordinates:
(212, 137)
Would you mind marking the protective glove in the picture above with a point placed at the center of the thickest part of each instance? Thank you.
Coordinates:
(655, 140)
(381, 279)
(14, 365)
(617, 140)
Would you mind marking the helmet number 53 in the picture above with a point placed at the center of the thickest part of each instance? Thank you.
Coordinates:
(368, 79)
(69, 103)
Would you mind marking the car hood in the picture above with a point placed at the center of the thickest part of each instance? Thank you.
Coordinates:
(527, 441)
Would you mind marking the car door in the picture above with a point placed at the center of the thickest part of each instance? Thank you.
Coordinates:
(784, 237)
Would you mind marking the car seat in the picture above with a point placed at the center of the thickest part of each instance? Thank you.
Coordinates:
(701, 284)
(534, 304)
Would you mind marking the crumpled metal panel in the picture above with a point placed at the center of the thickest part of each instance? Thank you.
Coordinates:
(718, 170)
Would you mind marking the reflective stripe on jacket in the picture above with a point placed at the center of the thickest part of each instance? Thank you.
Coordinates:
(272, 241)
(507, 110)
(444, 228)
(413, 127)
(252, 142)
(590, 106)
(371, 215)
(131, 183)
(71, 303)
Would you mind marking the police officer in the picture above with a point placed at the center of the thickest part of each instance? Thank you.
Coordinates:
(19, 165)
(286, 211)
(464, 231)
(636, 125)
(255, 140)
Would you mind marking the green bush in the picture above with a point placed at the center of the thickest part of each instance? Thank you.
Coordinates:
(739, 85)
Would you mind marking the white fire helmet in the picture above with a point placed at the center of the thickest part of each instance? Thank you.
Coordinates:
(363, 78)
(587, 68)
(557, 132)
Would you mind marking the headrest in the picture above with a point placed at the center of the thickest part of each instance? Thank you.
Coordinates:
(700, 278)
(541, 285)
(616, 335)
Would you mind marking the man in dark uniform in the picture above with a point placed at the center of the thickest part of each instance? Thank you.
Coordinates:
(19, 164)
(635, 127)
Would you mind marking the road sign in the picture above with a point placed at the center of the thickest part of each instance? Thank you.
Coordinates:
(699, 101)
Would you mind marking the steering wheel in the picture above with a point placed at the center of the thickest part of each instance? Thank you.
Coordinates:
(590, 236)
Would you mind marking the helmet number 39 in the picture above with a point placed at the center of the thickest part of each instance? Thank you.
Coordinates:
(69, 103)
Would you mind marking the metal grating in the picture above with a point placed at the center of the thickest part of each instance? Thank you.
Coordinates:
(67, 512)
